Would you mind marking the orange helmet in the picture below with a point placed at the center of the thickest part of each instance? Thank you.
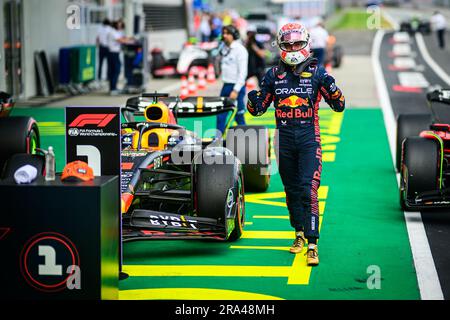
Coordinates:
(77, 171)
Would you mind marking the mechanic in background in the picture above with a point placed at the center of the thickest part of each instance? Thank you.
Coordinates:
(295, 87)
(439, 24)
(319, 39)
(116, 38)
(256, 55)
(234, 73)
(205, 28)
(102, 42)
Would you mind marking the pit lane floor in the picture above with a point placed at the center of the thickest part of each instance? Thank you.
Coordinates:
(364, 247)
(402, 55)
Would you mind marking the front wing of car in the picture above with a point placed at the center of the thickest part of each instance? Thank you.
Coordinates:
(149, 224)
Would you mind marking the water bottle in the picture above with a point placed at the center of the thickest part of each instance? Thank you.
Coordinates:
(50, 165)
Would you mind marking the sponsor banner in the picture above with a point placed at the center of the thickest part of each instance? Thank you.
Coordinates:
(93, 136)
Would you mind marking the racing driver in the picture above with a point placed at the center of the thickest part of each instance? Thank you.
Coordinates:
(296, 86)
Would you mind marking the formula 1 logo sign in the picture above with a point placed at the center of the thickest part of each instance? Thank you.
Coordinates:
(50, 262)
(93, 136)
(100, 120)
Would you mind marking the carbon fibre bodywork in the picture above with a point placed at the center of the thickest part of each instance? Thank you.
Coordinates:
(163, 185)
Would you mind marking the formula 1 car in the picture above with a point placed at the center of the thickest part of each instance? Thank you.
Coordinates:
(425, 155)
(176, 184)
(416, 25)
(192, 55)
(19, 140)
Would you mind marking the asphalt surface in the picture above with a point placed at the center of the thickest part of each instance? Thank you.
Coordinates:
(436, 222)
(441, 56)
(355, 42)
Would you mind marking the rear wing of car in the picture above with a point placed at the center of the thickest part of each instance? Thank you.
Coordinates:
(439, 103)
(190, 107)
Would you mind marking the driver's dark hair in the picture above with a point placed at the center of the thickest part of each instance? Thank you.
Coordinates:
(232, 30)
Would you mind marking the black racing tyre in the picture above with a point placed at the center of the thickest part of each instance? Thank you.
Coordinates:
(218, 191)
(251, 145)
(157, 76)
(420, 166)
(17, 135)
(409, 125)
(337, 56)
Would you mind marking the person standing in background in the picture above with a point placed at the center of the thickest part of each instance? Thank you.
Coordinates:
(205, 28)
(319, 39)
(115, 39)
(234, 73)
(256, 55)
(102, 43)
(216, 27)
(439, 24)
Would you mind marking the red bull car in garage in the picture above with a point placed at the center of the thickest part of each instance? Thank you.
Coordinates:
(176, 184)
(425, 155)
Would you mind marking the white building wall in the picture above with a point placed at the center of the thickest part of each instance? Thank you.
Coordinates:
(168, 40)
(44, 28)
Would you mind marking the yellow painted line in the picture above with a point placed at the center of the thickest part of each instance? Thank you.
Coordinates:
(329, 147)
(200, 104)
(283, 204)
(269, 203)
(329, 139)
(264, 234)
(52, 133)
(51, 124)
(206, 271)
(322, 194)
(191, 294)
(328, 156)
(260, 248)
(336, 123)
(300, 272)
(262, 198)
(248, 223)
(271, 217)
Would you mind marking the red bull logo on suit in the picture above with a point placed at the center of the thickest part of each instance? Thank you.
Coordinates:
(293, 102)
(294, 113)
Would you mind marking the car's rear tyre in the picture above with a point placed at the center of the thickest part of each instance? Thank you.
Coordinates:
(337, 56)
(254, 154)
(409, 125)
(219, 191)
(420, 167)
(17, 135)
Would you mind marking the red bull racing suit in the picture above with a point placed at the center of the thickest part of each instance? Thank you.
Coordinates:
(296, 93)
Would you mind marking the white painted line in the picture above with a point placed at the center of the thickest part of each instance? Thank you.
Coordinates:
(427, 277)
(404, 63)
(413, 79)
(401, 49)
(383, 93)
(430, 61)
(401, 37)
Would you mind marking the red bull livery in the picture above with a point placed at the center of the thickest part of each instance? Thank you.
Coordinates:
(296, 92)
